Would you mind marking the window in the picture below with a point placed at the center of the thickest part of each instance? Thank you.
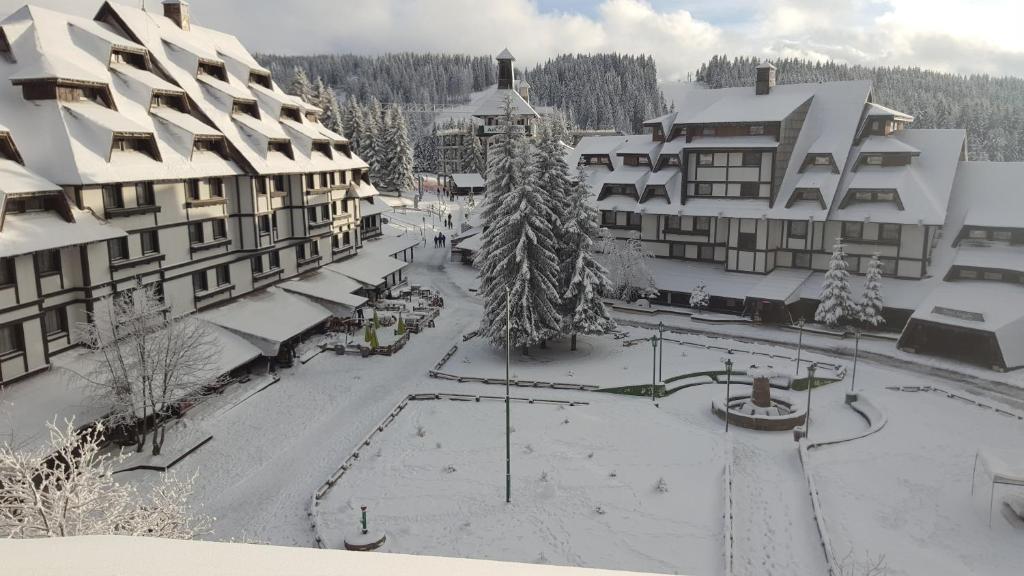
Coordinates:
(608, 218)
(192, 189)
(150, 242)
(144, 194)
(311, 214)
(1002, 235)
(346, 238)
(310, 181)
(967, 274)
(55, 321)
(279, 183)
(888, 266)
(633, 220)
(798, 229)
(274, 259)
(705, 159)
(7, 273)
(199, 283)
(673, 222)
(889, 232)
(335, 243)
(118, 249)
(257, 264)
(822, 160)
(261, 185)
(702, 223)
(853, 230)
(703, 189)
(987, 275)
(223, 275)
(853, 264)
(300, 252)
(220, 229)
(708, 131)
(747, 241)
(757, 130)
(11, 341)
(706, 253)
(112, 197)
(48, 262)
(802, 260)
(325, 212)
(195, 233)
(751, 158)
(265, 224)
(216, 188)
(749, 189)
(873, 160)
(672, 160)
(314, 249)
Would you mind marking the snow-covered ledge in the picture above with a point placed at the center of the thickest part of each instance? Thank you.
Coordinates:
(105, 555)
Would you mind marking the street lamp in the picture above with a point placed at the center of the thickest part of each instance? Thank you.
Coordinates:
(661, 353)
(508, 403)
(654, 367)
(810, 386)
(728, 386)
(799, 345)
(856, 353)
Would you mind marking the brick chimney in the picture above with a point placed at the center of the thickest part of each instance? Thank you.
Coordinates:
(177, 10)
(765, 79)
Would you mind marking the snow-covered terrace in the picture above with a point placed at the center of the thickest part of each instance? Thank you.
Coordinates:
(269, 318)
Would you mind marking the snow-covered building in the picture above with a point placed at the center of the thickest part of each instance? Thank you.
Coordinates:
(492, 108)
(141, 148)
(748, 189)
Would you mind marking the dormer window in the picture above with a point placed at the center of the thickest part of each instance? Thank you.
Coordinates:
(860, 196)
(873, 160)
(8, 150)
(140, 143)
(757, 130)
(806, 195)
(618, 190)
(313, 117)
(175, 100)
(260, 78)
(66, 91)
(708, 131)
(343, 148)
(819, 161)
(677, 131)
(281, 147)
(133, 58)
(247, 107)
(291, 113)
(5, 47)
(214, 144)
(213, 68)
(323, 148)
(822, 161)
(636, 160)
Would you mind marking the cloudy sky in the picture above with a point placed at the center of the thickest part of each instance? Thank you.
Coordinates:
(950, 35)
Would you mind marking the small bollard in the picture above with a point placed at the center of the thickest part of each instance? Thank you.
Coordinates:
(363, 508)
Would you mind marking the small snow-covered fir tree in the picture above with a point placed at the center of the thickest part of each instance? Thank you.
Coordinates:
(300, 85)
(699, 298)
(79, 496)
(353, 122)
(472, 159)
(321, 95)
(583, 308)
(146, 362)
(399, 152)
(370, 139)
(517, 254)
(871, 303)
(837, 306)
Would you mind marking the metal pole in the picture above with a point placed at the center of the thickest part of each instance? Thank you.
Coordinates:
(363, 508)
(799, 347)
(856, 353)
(810, 386)
(661, 352)
(508, 411)
(728, 385)
(654, 366)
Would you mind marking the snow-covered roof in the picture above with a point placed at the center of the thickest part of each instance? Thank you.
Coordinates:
(664, 121)
(742, 104)
(472, 243)
(505, 55)
(987, 195)
(45, 230)
(368, 207)
(473, 180)
(989, 255)
(780, 285)
(366, 268)
(887, 145)
(387, 246)
(875, 110)
(16, 179)
(494, 104)
(268, 318)
(332, 291)
(639, 144)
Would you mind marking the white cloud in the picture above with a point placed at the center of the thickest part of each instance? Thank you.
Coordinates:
(953, 35)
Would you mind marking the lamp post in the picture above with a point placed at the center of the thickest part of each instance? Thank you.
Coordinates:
(856, 353)
(661, 353)
(728, 386)
(810, 386)
(508, 403)
(654, 367)
(799, 345)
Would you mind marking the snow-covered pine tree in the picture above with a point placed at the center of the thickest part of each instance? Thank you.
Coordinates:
(400, 160)
(472, 156)
(552, 177)
(837, 305)
(369, 137)
(583, 309)
(354, 125)
(871, 303)
(332, 115)
(517, 255)
(699, 298)
(300, 85)
(376, 137)
(321, 96)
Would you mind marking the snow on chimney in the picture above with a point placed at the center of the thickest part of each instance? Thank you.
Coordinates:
(765, 79)
(177, 10)
(524, 90)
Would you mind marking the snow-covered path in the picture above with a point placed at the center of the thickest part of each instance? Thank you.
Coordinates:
(270, 453)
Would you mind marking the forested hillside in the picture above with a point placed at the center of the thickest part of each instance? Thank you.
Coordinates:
(990, 109)
(599, 90)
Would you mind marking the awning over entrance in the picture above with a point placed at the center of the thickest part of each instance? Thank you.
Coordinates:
(781, 285)
(269, 318)
(331, 290)
(370, 270)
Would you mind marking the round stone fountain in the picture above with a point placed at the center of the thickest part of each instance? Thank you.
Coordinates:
(760, 410)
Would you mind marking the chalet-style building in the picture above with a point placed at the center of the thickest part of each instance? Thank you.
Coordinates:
(143, 149)
(748, 189)
(492, 108)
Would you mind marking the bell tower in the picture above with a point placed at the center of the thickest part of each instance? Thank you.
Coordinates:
(506, 72)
